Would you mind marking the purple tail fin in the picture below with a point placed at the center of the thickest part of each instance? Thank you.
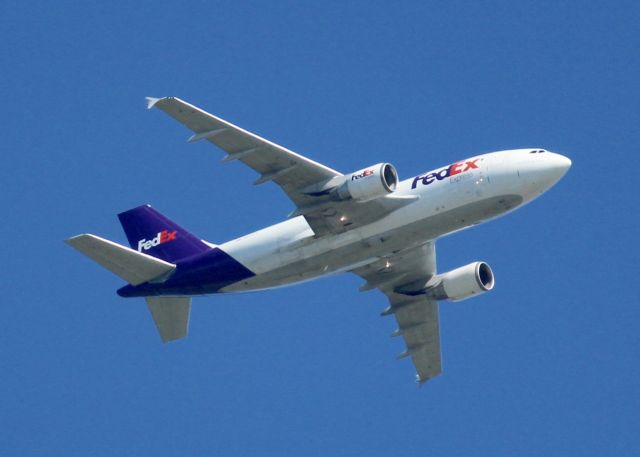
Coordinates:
(150, 232)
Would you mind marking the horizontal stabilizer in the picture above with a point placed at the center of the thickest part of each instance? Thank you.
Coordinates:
(171, 315)
(132, 266)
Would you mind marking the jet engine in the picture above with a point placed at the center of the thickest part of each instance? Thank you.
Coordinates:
(461, 283)
(369, 183)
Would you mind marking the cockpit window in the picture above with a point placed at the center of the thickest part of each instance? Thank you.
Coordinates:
(537, 151)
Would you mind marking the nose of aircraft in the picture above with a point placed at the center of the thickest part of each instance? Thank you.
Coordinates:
(551, 169)
(557, 165)
(560, 162)
(542, 171)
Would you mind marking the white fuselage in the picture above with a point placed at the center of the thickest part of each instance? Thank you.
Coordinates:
(478, 189)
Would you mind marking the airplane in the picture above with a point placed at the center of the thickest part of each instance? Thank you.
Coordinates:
(367, 222)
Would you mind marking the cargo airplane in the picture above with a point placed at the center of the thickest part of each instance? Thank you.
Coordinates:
(367, 222)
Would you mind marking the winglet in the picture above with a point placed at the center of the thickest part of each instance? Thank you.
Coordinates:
(151, 101)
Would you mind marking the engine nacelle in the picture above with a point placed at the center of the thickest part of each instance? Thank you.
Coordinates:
(464, 282)
(369, 183)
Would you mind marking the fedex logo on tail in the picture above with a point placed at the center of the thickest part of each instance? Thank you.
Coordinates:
(456, 168)
(162, 237)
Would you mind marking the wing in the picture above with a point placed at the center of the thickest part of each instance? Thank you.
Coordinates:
(299, 177)
(417, 316)
(291, 171)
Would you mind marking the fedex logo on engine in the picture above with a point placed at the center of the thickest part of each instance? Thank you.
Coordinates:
(162, 237)
(364, 174)
(452, 170)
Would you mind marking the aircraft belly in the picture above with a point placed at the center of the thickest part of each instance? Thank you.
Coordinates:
(359, 250)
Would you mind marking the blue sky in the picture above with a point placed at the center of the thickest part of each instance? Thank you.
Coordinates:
(546, 364)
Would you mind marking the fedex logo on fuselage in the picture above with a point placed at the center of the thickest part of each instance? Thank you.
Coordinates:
(451, 170)
(162, 237)
(364, 174)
